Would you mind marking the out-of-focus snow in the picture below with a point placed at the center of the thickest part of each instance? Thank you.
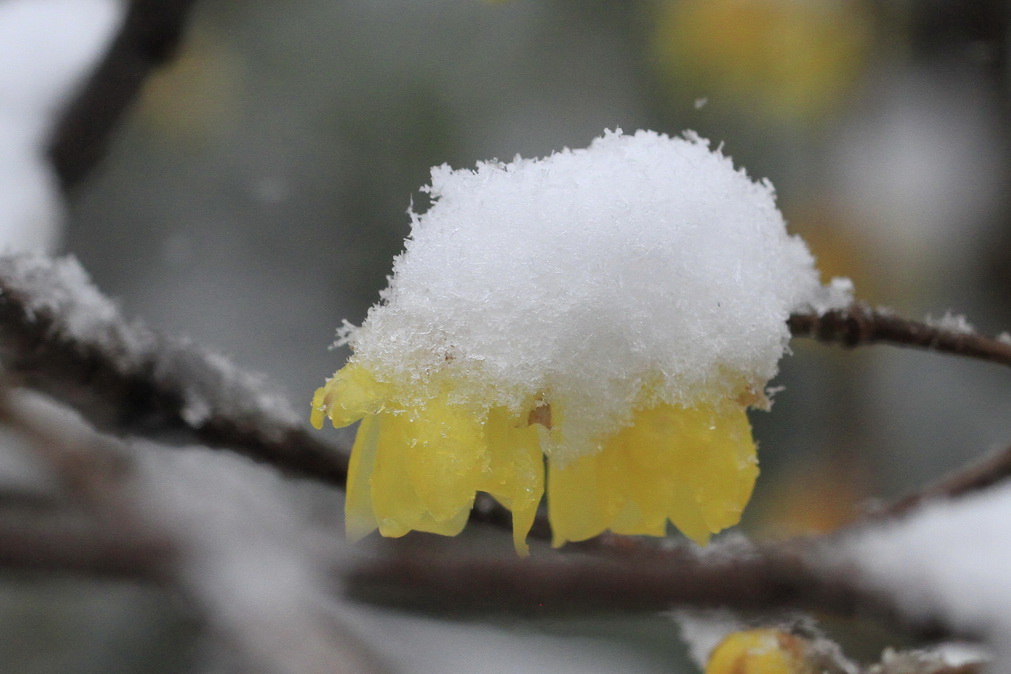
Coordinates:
(920, 171)
(209, 383)
(951, 322)
(703, 630)
(63, 289)
(257, 557)
(46, 48)
(262, 559)
(430, 646)
(952, 559)
(944, 658)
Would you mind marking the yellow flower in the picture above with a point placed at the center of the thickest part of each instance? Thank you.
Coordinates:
(592, 325)
(793, 60)
(760, 651)
(417, 464)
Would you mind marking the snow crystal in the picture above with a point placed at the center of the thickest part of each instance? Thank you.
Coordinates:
(837, 294)
(640, 263)
(951, 560)
(952, 322)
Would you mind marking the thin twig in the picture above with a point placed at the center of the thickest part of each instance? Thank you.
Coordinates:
(861, 325)
(148, 37)
(988, 471)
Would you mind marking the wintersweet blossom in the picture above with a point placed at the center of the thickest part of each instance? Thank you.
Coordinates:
(593, 324)
(761, 651)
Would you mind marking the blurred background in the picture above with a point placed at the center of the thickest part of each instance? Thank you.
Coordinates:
(257, 193)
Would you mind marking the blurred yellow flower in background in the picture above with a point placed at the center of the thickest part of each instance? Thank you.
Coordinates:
(791, 60)
(760, 651)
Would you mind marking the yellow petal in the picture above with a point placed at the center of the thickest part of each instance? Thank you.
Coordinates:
(419, 470)
(318, 406)
(694, 466)
(348, 396)
(447, 458)
(759, 651)
(359, 515)
(515, 474)
(409, 491)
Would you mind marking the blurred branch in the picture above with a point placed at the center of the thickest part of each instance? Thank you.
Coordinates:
(89, 550)
(861, 325)
(59, 336)
(771, 578)
(148, 37)
(117, 529)
(986, 472)
(113, 538)
(92, 471)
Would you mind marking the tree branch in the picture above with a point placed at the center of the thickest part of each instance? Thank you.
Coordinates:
(982, 474)
(148, 37)
(861, 325)
(97, 551)
(771, 578)
(60, 336)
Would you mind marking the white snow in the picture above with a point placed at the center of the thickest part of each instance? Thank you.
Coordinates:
(837, 294)
(951, 559)
(209, 382)
(62, 288)
(703, 630)
(641, 261)
(951, 322)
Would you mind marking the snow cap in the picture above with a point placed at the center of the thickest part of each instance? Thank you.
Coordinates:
(642, 269)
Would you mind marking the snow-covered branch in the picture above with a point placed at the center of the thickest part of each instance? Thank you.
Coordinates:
(62, 337)
(120, 510)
